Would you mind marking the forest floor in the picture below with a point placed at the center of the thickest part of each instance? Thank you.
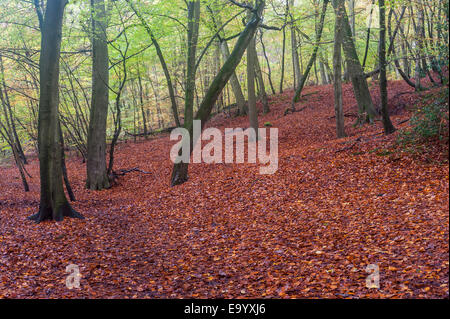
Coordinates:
(310, 230)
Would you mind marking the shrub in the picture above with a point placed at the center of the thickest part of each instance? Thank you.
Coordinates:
(429, 121)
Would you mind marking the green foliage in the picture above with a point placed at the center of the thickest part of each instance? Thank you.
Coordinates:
(430, 121)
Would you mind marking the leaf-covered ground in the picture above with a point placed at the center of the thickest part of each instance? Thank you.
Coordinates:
(333, 207)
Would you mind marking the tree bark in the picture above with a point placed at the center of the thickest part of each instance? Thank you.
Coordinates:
(295, 60)
(53, 201)
(251, 96)
(269, 73)
(192, 39)
(235, 85)
(299, 89)
(283, 52)
(387, 124)
(259, 78)
(97, 178)
(180, 170)
(337, 81)
(366, 110)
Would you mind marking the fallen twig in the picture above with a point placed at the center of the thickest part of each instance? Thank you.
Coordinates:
(349, 147)
(122, 172)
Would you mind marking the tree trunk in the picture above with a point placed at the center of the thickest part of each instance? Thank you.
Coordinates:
(235, 86)
(192, 39)
(299, 89)
(269, 73)
(387, 124)
(295, 60)
(283, 52)
(259, 78)
(97, 178)
(337, 82)
(252, 110)
(10, 121)
(180, 170)
(53, 201)
(163, 64)
(141, 102)
(217, 61)
(366, 111)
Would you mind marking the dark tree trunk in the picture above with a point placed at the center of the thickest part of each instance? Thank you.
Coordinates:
(366, 110)
(53, 202)
(97, 177)
(387, 124)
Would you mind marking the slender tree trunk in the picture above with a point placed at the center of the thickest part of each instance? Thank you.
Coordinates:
(11, 122)
(351, 9)
(337, 81)
(387, 124)
(261, 85)
(299, 89)
(283, 52)
(163, 64)
(97, 178)
(192, 39)
(366, 50)
(141, 102)
(235, 85)
(53, 202)
(323, 73)
(217, 61)
(366, 110)
(396, 62)
(64, 168)
(6, 134)
(269, 73)
(294, 49)
(252, 110)
(180, 170)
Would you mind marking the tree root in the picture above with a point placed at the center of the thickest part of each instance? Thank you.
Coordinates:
(64, 210)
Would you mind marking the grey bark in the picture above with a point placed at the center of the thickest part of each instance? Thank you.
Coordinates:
(366, 110)
(97, 178)
(294, 48)
(235, 85)
(337, 81)
(53, 201)
(251, 96)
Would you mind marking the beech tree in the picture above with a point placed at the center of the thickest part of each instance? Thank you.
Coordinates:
(97, 177)
(366, 110)
(53, 202)
(180, 170)
(387, 124)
